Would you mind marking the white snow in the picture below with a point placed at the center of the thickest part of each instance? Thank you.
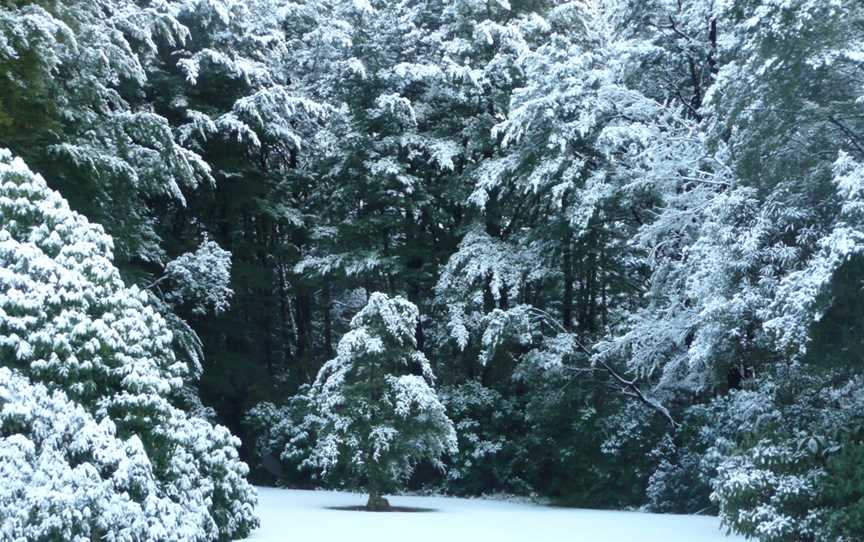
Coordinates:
(288, 515)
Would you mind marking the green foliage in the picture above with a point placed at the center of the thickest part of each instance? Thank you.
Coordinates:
(633, 230)
(843, 490)
(374, 409)
(778, 470)
(486, 424)
(68, 321)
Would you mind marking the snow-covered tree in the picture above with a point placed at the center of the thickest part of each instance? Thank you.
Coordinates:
(68, 477)
(374, 406)
(68, 322)
(75, 75)
(774, 448)
(662, 196)
(200, 279)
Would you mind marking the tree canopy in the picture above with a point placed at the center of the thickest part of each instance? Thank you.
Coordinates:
(625, 236)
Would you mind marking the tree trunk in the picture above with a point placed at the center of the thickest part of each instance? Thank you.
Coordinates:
(567, 264)
(303, 317)
(328, 322)
(377, 502)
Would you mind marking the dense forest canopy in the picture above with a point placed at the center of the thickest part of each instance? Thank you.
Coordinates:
(631, 232)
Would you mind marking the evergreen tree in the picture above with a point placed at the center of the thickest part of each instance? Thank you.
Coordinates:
(662, 198)
(374, 407)
(68, 322)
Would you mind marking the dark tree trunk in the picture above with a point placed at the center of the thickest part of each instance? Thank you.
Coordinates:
(567, 310)
(377, 502)
(302, 316)
(712, 42)
(328, 322)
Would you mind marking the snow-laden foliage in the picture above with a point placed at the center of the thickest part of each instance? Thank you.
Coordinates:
(67, 321)
(775, 463)
(202, 279)
(373, 406)
(94, 59)
(756, 227)
(68, 477)
(484, 268)
(621, 220)
(480, 416)
(284, 439)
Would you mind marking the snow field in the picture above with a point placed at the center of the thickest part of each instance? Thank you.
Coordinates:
(303, 516)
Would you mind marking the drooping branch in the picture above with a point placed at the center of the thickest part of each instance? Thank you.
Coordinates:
(853, 138)
(629, 388)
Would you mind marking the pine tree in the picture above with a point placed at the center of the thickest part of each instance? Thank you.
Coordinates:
(374, 407)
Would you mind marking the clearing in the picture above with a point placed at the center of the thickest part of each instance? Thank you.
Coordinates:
(291, 515)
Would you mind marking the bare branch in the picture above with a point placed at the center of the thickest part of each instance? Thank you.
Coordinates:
(856, 141)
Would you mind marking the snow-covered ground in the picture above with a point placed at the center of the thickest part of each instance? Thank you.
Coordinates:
(303, 516)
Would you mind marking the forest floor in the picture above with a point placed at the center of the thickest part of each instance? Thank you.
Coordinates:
(304, 516)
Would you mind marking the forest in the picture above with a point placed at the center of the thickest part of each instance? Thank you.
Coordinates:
(602, 253)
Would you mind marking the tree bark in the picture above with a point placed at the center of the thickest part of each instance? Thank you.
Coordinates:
(377, 502)
(569, 279)
(326, 303)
